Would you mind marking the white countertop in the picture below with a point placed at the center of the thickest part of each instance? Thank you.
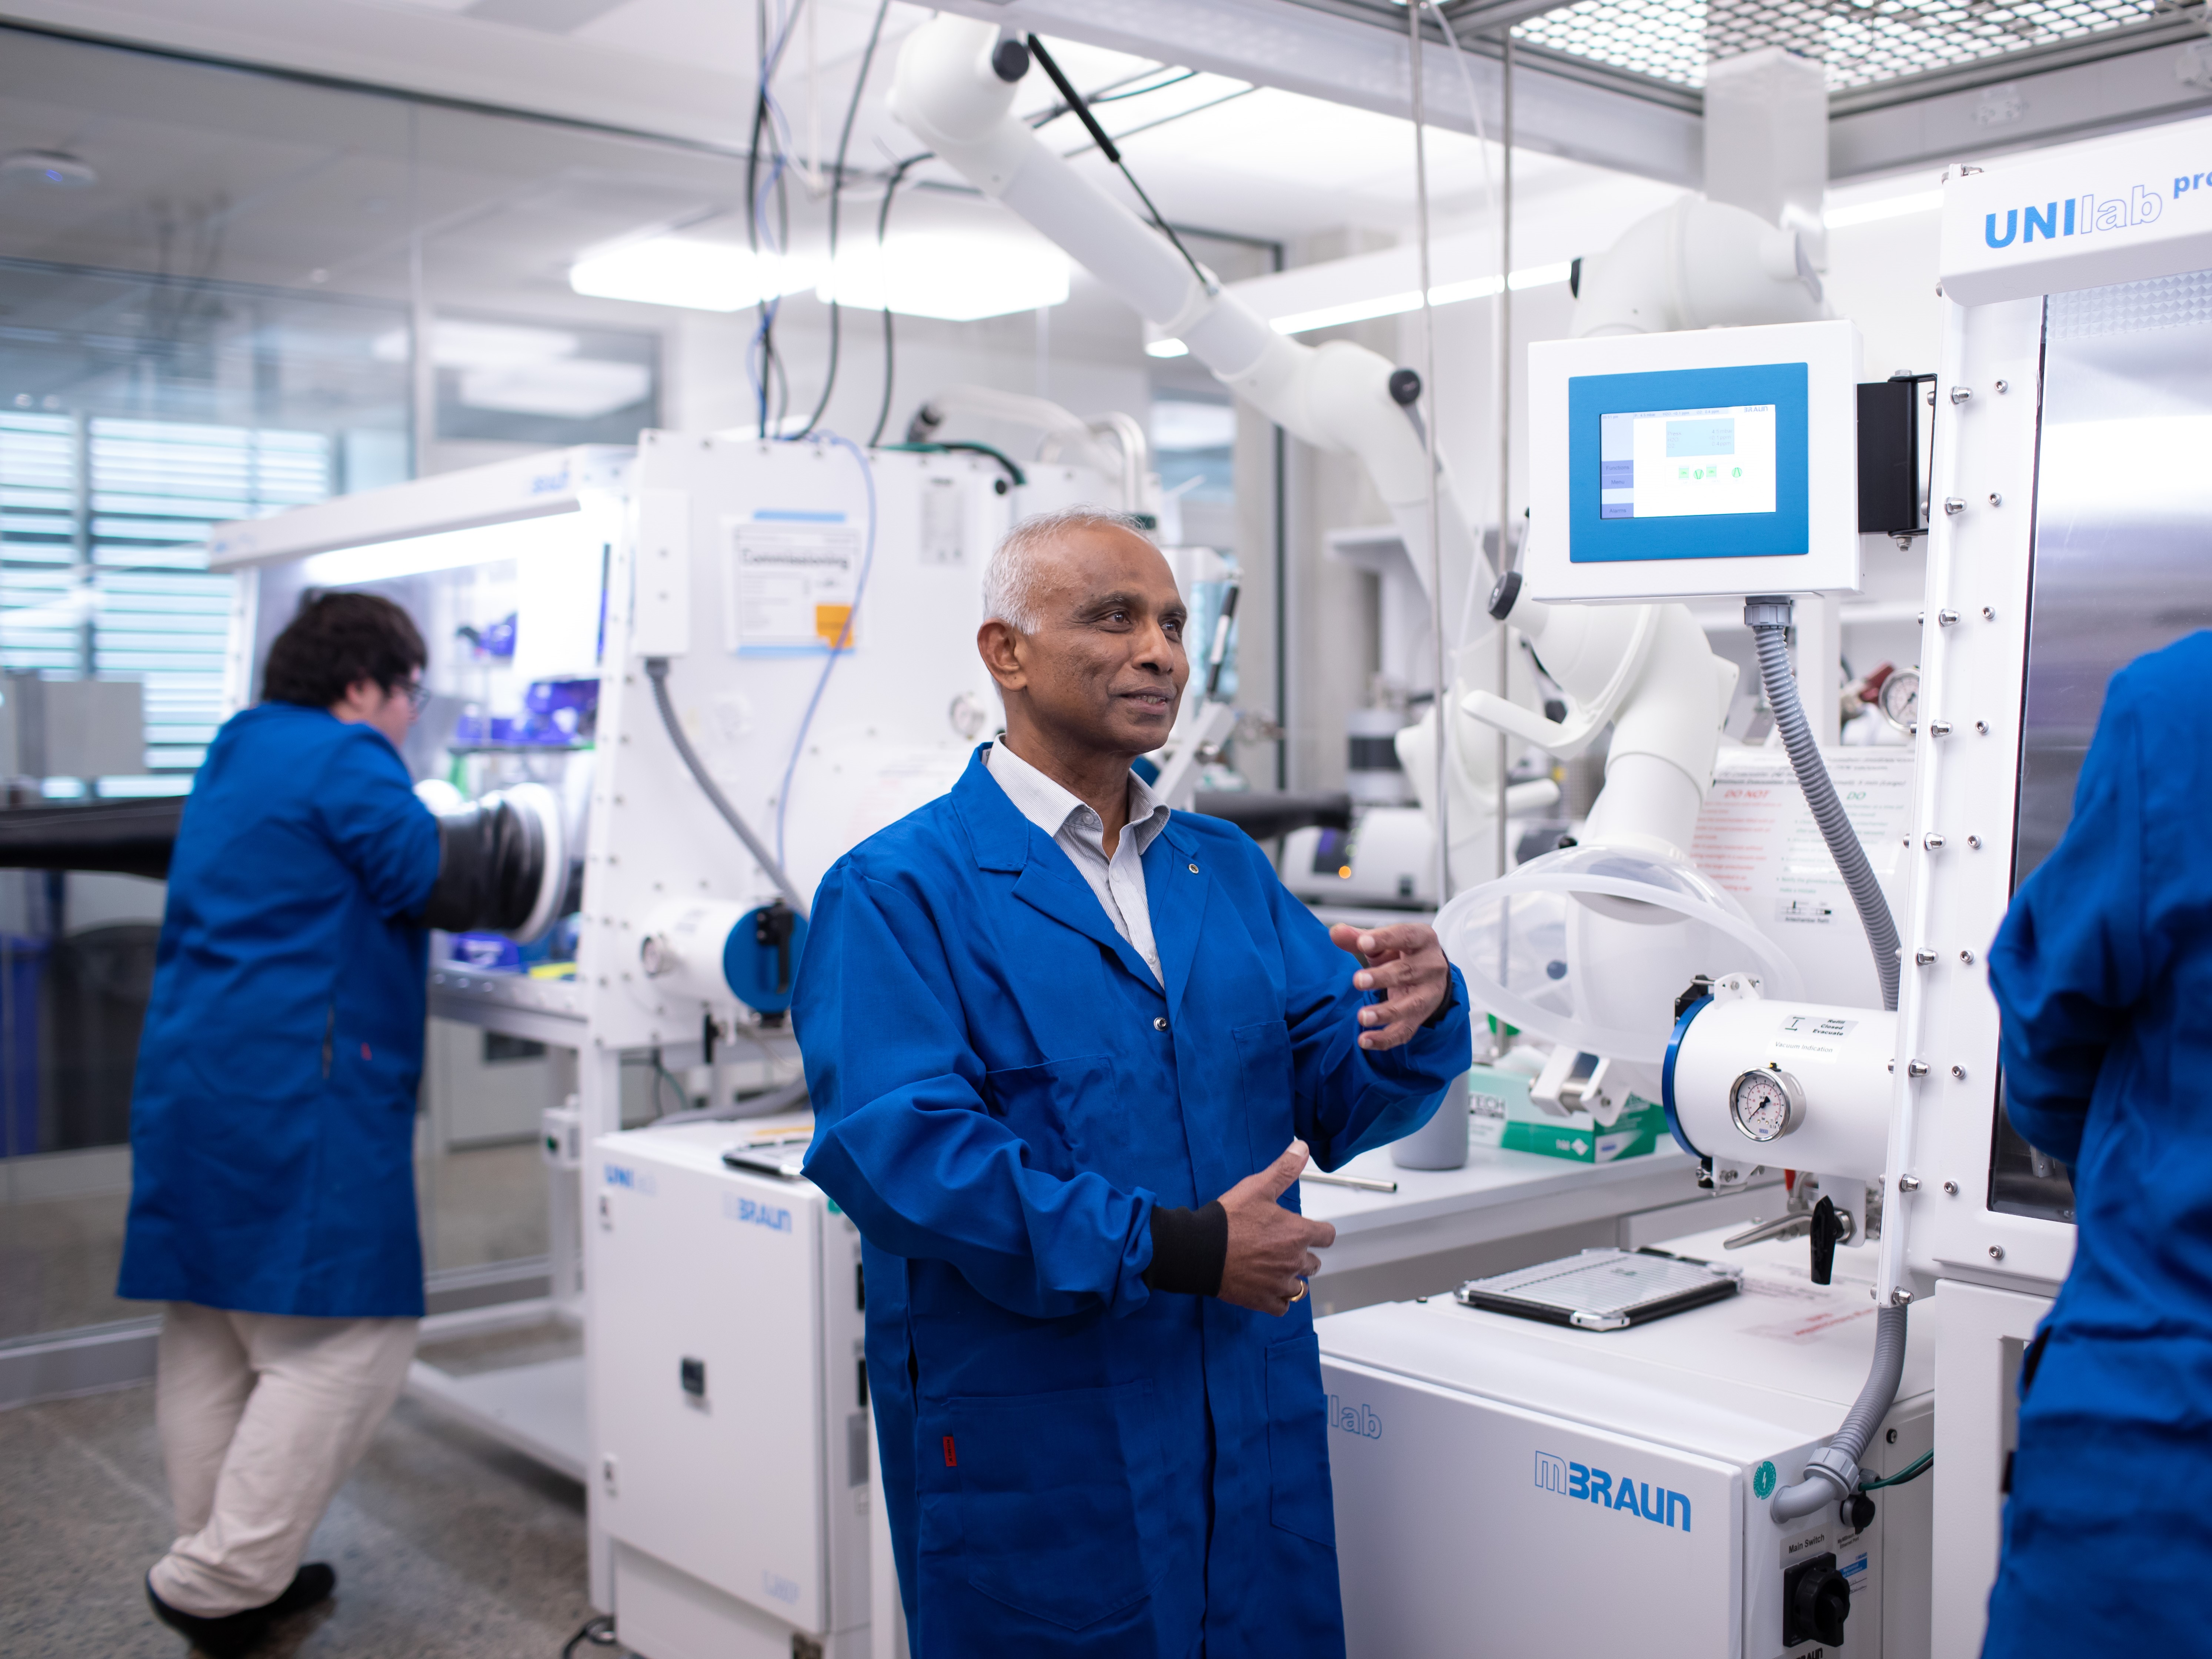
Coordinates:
(1496, 1194)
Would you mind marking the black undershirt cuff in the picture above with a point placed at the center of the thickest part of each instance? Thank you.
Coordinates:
(1189, 1249)
(1450, 1002)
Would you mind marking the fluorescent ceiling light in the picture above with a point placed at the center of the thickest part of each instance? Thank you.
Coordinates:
(1894, 207)
(668, 270)
(573, 388)
(456, 342)
(956, 278)
(1389, 305)
(1351, 310)
(446, 550)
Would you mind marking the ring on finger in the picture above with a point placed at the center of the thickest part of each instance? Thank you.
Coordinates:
(1299, 1295)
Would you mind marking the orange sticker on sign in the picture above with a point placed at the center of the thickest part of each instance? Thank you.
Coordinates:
(833, 625)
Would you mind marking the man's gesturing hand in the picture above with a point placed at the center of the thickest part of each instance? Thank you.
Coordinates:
(1406, 965)
(1270, 1248)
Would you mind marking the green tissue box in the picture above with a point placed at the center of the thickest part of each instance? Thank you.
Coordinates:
(1501, 1115)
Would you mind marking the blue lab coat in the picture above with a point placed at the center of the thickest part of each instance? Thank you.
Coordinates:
(1074, 1464)
(2103, 971)
(272, 1124)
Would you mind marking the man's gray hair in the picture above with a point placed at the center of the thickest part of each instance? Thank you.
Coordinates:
(1011, 584)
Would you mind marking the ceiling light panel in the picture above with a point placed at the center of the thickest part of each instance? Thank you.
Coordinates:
(1275, 134)
(954, 277)
(1861, 42)
(674, 271)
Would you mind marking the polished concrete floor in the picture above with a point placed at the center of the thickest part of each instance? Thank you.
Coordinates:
(446, 1545)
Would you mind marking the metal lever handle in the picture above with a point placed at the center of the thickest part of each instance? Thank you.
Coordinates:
(1783, 1226)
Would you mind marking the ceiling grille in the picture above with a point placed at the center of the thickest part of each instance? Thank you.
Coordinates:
(1861, 42)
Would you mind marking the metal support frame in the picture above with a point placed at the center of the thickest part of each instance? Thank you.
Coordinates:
(1339, 53)
(2075, 89)
(1353, 51)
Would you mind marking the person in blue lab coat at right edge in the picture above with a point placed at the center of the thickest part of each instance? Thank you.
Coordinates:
(2103, 972)
(273, 1120)
(1068, 1051)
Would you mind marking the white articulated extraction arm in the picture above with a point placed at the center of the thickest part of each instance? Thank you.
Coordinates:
(1337, 397)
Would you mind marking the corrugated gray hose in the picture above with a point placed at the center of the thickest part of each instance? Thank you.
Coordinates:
(1832, 1473)
(656, 669)
(1769, 621)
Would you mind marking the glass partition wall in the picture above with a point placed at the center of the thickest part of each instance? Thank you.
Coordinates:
(230, 294)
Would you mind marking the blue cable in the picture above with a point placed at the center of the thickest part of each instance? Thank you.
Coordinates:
(845, 635)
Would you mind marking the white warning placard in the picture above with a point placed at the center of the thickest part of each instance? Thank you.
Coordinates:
(791, 582)
(1756, 837)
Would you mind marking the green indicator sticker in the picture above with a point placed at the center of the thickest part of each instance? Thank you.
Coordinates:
(1762, 1480)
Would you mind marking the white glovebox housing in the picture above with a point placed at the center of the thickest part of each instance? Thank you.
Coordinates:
(1475, 1456)
(1766, 418)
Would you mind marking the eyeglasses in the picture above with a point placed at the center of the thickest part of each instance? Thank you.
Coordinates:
(418, 695)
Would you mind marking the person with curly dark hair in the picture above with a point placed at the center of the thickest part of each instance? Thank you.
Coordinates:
(273, 1204)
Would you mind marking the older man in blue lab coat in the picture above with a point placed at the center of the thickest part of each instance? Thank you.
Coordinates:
(1068, 1052)
(272, 1205)
(2104, 973)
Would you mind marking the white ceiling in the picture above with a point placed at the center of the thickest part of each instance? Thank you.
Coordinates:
(1256, 162)
(265, 179)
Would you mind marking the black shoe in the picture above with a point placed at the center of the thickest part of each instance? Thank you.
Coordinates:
(229, 1634)
(312, 1583)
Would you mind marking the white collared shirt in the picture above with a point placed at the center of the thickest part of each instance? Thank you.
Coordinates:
(1081, 834)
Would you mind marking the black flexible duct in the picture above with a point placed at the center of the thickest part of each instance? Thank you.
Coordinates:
(1769, 622)
(491, 863)
(656, 669)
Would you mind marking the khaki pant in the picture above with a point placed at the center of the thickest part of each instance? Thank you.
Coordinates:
(262, 1415)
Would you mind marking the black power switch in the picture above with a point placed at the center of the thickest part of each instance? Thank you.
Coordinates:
(1816, 1598)
(695, 1378)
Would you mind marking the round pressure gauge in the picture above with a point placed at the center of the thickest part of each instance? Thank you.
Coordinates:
(1766, 1105)
(1899, 699)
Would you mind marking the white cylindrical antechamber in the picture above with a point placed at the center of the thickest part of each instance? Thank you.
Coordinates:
(1799, 1085)
(685, 945)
